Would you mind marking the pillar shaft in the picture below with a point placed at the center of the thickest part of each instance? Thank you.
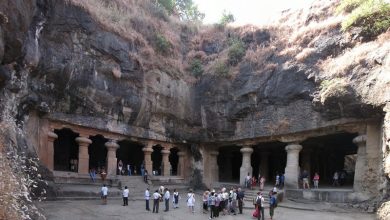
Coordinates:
(83, 163)
(148, 158)
(360, 166)
(292, 167)
(111, 146)
(214, 166)
(246, 166)
(180, 164)
(166, 165)
(50, 150)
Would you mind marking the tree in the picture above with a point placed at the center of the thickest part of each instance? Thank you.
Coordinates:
(184, 9)
(227, 17)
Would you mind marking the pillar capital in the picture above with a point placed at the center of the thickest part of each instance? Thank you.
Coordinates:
(293, 147)
(52, 135)
(214, 153)
(360, 140)
(147, 150)
(181, 154)
(165, 151)
(83, 141)
(111, 145)
(246, 150)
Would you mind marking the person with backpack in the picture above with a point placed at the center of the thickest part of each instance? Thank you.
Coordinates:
(240, 198)
(211, 204)
(273, 203)
(259, 206)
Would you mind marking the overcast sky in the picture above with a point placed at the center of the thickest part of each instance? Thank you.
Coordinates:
(247, 11)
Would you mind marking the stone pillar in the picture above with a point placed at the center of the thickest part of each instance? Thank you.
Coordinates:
(180, 163)
(111, 146)
(291, 172)
(264, 164)
(214, 166)
(360, 167)
(148, 149)
(83, 164)
(306, 161)
(246, 164)
(50, 150)
(166, 165)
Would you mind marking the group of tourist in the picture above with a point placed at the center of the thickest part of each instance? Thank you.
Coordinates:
(162, 194)
(252, 182)
(129, 170)
(101, 171)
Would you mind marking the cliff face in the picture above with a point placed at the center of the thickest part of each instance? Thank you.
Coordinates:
(63, 61)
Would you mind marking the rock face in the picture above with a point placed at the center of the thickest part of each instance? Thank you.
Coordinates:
(60, 62)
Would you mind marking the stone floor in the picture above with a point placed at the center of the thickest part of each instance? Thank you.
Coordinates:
(92, 209)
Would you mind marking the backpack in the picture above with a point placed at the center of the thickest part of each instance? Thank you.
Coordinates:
(258, 201)
(273, 202)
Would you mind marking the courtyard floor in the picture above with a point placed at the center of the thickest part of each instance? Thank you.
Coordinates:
(94, 210)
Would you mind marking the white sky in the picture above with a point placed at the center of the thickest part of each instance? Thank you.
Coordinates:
(247, 11)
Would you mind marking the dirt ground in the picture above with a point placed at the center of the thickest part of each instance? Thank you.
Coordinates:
(93, 209)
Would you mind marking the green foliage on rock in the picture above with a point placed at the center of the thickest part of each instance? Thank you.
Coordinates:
(236, 51)
(372, 16)
(221, 69)
(227, 17)
(197, 67)
(185, 9)
(162, 45)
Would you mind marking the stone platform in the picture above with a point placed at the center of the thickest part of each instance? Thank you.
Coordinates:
(333, 195)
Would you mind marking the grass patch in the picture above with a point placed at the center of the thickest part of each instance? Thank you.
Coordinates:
(221, 69)
(236, 51)
(196, 68)
(373, 16)
(163, 46)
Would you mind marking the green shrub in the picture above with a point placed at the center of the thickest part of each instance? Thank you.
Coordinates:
(227, 17)
(236, 51)
(372, 16)
(221, 69)
(196, 67)
(162, 44)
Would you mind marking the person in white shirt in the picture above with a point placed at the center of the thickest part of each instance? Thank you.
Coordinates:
(104, 192)
(156, 201)
(147, 198)
(191, 201)
(125, 195)
(167, 195)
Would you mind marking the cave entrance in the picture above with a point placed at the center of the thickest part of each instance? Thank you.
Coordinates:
(97, 152)
(157, 160)
(173, 160)
(268, 159)
(229, 162)
(66, 150)
(329, 154)
(130, 153)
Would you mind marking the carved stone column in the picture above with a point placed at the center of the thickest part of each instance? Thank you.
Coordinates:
(246, 166)
(180, 163)
(360, 167)
(166, 165)
(264, 164)
(83, 164)
(50, 150)
(214, 166)
(291, 172)
(111, 146)
(148, 150)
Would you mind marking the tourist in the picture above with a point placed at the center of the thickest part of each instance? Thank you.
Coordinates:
(120, 167)
(191, 201)
(211, 203)
(175, 199)
(142, 169)
(316, 180)
(240, 198)
(147, 198)
(135, 170)
(92, 174)
(125, 195)
(156, 201)
(205, 201)
(342, 177)
(259, 206)
(253, 182)
(234, 202)
(146, 176)
(104, 193)
(103, 174)
(128, 169)
(272, 204)
(161, 190)
(305, 180)
(277, 180)
(225, 196)
(282, 180)
(167, 195)
(262, 182)
(247, 181)
(335, 179)
(218, 199)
